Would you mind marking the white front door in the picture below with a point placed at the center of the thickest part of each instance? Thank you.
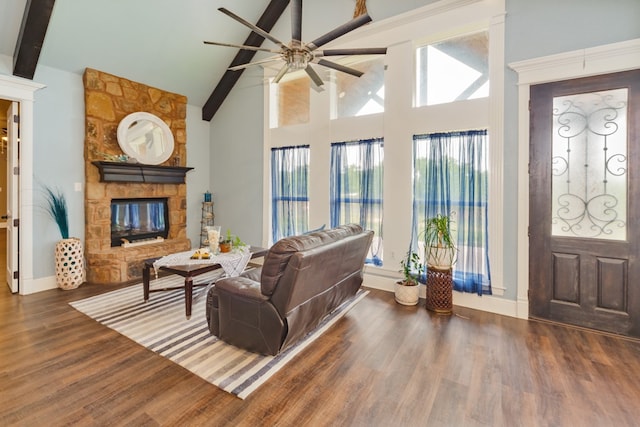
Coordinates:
(13, 213)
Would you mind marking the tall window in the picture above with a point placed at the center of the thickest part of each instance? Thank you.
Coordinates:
(289, 191)
(451, 178)
(453, 70)
(356, 189)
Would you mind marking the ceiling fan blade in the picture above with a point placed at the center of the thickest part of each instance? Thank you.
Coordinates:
(314, 76)
(253, 28)
(239, 46)
(248, 64)
(281, 73)
(340, 31)
(355, 51)
(296, 20)
(340, 67)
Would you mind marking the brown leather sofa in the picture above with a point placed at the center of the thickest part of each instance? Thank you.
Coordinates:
(303, 278)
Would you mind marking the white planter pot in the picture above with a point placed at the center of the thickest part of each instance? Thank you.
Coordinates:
(70, 272)
(406, 295)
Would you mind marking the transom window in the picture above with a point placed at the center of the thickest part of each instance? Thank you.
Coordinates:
(290, 102)
(360, 96)
(456, 69)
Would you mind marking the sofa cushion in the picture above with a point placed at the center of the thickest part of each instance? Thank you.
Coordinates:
(278, 256)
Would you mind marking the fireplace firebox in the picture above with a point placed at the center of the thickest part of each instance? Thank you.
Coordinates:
(136, 220)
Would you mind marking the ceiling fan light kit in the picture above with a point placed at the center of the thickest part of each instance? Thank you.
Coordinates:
(298, 55)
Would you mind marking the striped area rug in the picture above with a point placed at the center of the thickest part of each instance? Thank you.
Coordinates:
(161, 326)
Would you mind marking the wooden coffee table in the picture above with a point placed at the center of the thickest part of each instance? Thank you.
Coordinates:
(188, 272)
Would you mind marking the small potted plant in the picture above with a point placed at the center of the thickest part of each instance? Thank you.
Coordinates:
(231, 241)
(227, 243)
(439, 246)
(407, 290)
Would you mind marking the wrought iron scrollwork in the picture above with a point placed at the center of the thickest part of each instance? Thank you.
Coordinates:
(590, 153)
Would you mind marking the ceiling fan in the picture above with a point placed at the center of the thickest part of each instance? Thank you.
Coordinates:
(298, 55)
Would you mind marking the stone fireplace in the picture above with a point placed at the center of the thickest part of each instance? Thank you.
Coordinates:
(108, 99)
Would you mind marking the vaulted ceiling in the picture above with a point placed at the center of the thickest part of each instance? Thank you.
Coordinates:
(160, 42)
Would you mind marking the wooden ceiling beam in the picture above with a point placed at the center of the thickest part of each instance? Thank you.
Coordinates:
(266, 22)
(35, 21)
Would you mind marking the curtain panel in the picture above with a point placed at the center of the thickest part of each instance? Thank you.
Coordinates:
(289, 191)
(451, 178)
(356, 189)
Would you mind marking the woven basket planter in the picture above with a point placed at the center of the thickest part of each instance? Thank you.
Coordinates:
(439, 291)
(70, 271)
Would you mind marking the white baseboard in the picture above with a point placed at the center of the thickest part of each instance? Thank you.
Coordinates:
(31, 286)
(487, 303)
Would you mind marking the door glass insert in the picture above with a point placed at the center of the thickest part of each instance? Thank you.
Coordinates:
(589, 185)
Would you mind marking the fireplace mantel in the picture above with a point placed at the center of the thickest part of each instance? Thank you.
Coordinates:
(137, 172)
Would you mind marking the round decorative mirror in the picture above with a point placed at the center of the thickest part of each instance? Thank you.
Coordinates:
(146, 138)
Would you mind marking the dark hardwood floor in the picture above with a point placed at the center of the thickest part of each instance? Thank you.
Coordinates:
(381, 365)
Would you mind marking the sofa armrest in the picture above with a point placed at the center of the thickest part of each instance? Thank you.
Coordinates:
(245, 317)
(242, 287)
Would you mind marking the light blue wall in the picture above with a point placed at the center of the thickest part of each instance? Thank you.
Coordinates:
(544, 27)
(198, 179)
(533, 29)
(58, 159)
(236, 159)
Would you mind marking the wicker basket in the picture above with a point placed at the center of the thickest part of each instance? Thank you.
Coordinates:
(70, 272)
(439, 291)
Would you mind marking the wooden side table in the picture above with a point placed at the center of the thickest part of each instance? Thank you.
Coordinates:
(439, 291)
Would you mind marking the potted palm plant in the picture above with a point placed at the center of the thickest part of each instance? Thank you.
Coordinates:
(407, 289)
(69, 254)
(440, 255)
(439, 246)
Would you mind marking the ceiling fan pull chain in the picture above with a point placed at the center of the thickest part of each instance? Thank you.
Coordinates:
(361, 8)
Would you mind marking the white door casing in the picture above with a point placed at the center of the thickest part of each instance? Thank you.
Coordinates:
(13, 205)
(22, 91)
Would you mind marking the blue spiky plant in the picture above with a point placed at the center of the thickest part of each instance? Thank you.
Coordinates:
(57, 209)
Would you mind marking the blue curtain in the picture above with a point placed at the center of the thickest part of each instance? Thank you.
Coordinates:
(356, 189)
(156, 213)
(132, 217)
(138, 216)
(451, 178)
(289, 191)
